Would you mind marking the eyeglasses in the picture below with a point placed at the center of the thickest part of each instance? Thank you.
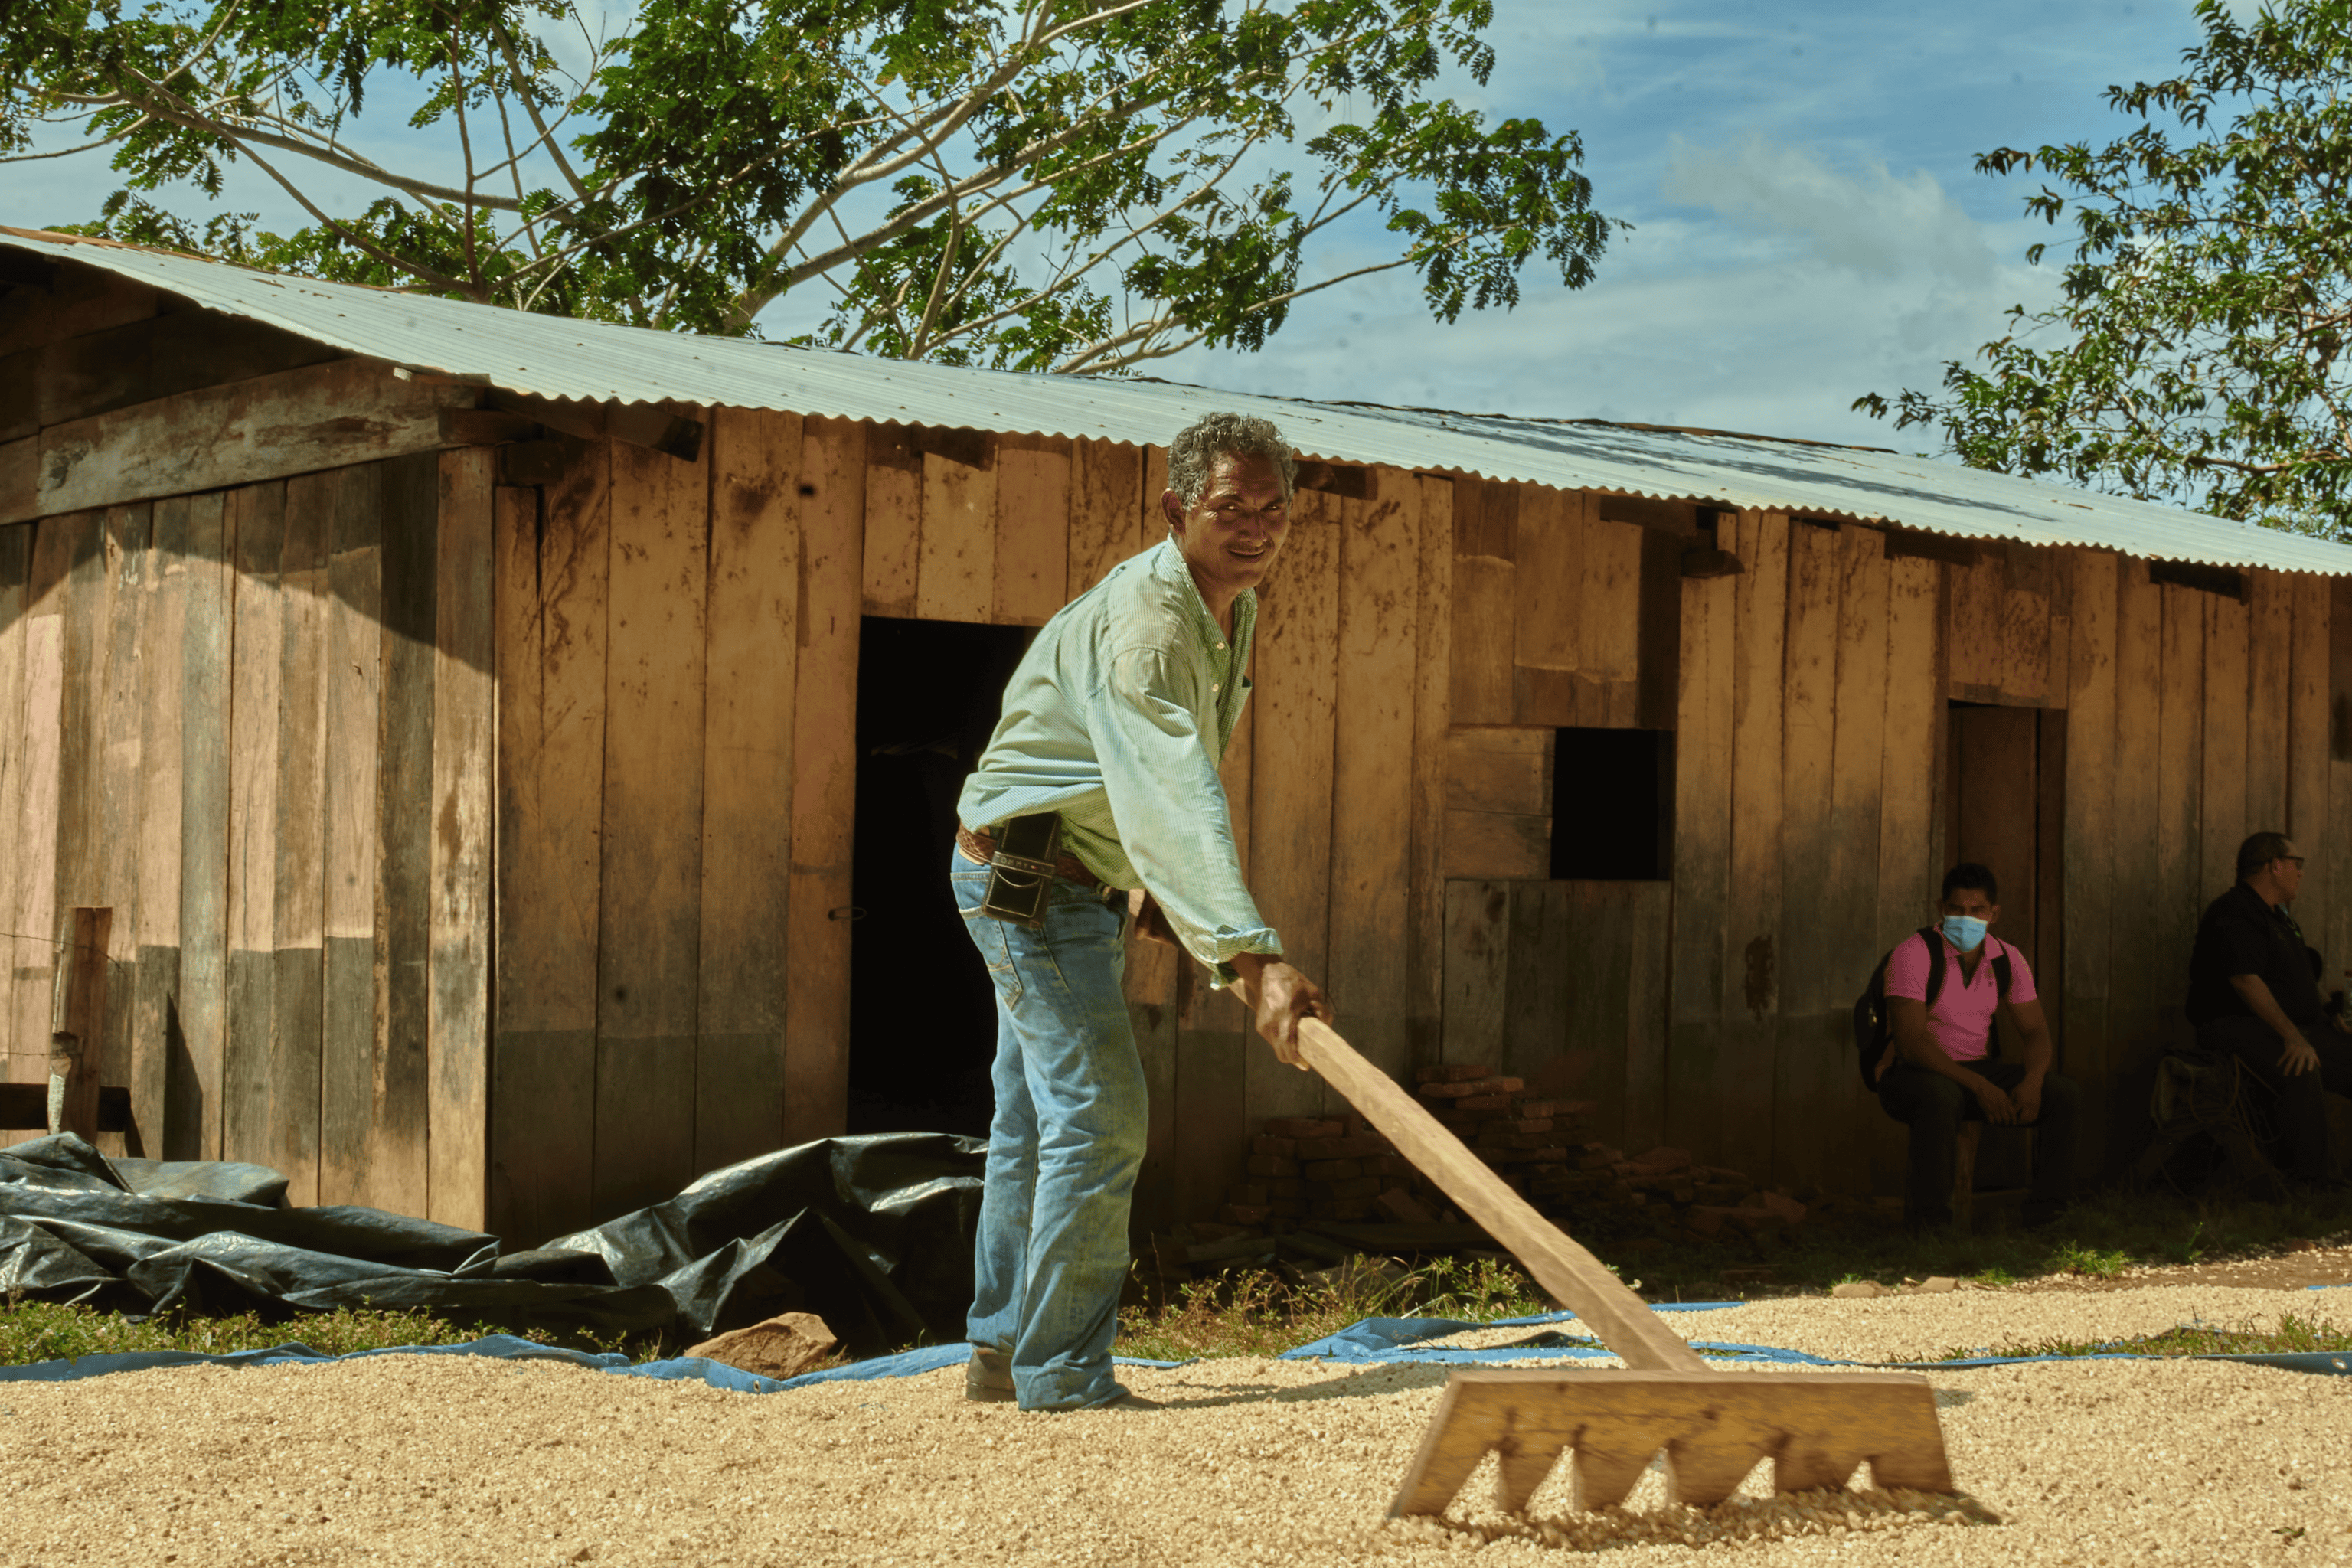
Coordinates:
(2294, 861)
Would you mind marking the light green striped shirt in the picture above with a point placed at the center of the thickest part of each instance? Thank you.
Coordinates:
(1117, 718)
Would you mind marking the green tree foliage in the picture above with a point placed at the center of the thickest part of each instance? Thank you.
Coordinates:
(1072, 185)
(2196, 352)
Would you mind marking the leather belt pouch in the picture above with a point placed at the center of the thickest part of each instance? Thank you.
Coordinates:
(1021, 871)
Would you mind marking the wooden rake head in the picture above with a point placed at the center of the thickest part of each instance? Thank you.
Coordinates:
(1815, 1427)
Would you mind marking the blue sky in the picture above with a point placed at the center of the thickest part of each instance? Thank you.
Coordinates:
(1808, 224)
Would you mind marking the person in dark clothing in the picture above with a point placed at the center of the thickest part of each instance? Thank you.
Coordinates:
(1943, 1071)
(2253, 993)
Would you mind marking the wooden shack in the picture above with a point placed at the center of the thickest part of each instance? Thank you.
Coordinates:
(515, 803)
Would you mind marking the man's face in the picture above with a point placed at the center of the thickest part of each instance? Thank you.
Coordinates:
(1971, 901)
(1230, 535)
(2286, 872)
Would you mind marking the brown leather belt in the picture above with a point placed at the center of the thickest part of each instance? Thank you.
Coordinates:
(981, 847)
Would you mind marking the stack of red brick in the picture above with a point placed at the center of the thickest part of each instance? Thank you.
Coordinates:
(1665, 1194)
(1308, 1169)
(1532, 1143)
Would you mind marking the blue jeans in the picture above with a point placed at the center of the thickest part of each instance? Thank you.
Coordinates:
(1064, 1147)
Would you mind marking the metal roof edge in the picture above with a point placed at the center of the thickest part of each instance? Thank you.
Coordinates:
(566, 358)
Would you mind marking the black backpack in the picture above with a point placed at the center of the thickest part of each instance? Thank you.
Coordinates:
(1873, 1034)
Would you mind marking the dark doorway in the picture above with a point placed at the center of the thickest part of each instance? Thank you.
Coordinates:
(922, 1020)
(1612, 805)
(2005, 809)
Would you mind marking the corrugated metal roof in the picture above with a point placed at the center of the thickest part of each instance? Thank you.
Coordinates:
(554, 356)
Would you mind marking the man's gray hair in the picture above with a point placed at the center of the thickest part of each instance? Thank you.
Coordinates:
(1198, 446)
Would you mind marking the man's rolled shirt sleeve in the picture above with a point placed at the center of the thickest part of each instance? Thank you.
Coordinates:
(1171, 807)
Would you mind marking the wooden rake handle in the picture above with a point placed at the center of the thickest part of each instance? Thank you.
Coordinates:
(1574, 1277)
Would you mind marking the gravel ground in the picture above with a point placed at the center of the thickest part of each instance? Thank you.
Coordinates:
(1924, 1327)
(2306, 1263)
(443, 1459)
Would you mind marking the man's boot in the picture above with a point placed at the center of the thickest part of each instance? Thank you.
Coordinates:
(988, 1376)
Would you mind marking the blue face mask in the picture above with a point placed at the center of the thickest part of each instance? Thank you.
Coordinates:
(1964, 932)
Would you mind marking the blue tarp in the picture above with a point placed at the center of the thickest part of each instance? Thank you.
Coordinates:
(506, 1347)
(1365, 1342)
(1401, 1339)
(924, 1358)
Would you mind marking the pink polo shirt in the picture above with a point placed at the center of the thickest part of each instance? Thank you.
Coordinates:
(1962, 1019)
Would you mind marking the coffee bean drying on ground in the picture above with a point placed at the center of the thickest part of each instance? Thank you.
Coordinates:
(443, 1459)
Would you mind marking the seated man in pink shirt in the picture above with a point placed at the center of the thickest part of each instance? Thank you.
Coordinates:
(1942, 1071)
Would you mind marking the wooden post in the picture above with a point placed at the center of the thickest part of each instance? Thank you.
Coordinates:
(77, 1022)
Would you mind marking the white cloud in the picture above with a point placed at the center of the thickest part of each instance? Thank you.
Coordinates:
(1769, 291)
(1877, 224)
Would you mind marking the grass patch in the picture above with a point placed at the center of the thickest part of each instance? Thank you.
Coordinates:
(2073, 1257)
(43, 1330)
(1255, 1312)
(2292, 1333)
(2104, 1234)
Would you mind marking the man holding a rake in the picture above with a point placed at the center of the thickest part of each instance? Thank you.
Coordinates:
(1097, 801)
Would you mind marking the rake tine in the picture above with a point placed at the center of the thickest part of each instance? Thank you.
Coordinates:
(1702, 1474)
(1457, 1437)
(1814, 1467)
(1603, 1479)
(1525, 1464)
(1715, 1426)
(1912, 1467)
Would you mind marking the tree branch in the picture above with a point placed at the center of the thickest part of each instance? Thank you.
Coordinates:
(359, 240)
(466, 150)
(937, 127)
(513, 166)
(1065, 275)
(246, 137)
(1076, 364)
(752, 301)
(107, 141)
(531, 107)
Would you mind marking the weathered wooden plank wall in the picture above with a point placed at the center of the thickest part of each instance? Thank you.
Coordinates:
(2090, 864)
(1817, 801)
(298, 949)
(1814, 794)
(1752, 931)
(350, 1004)
(650, 924)
(483, 851)
(1293, 750)
(1699, 999)
(462, 900)
(190, 735)
(677, 650)
(16, 762)
(747, 743)
(832, 492)
(1808, 1106)
(1432, 729)
(154, 1021)
(1910, 849)
(52, 550)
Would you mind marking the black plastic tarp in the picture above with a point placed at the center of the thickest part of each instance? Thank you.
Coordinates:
(873, 1234)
